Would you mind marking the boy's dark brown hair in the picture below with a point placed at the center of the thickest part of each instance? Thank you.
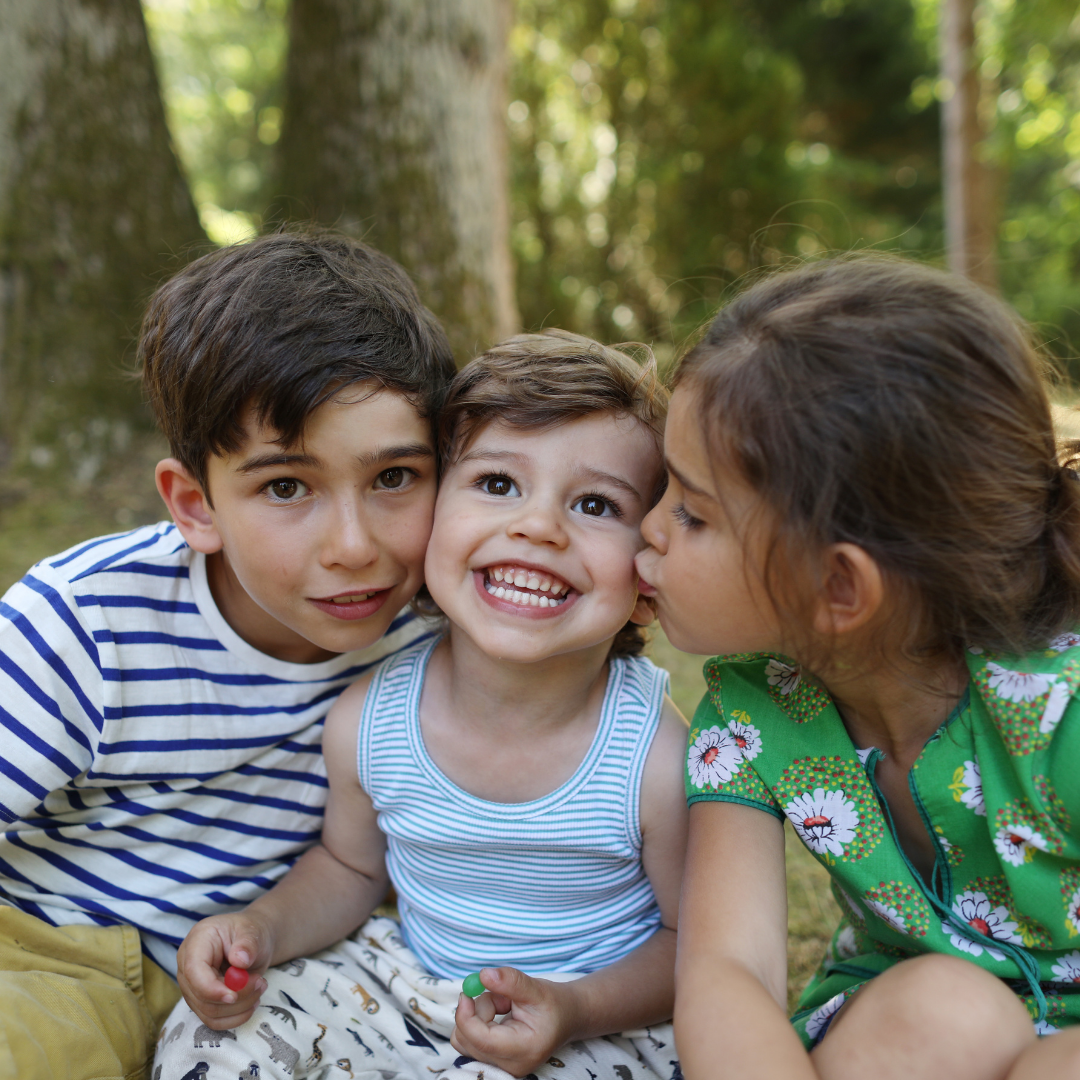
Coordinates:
(280, 325)
(883, 403)
(540, 381)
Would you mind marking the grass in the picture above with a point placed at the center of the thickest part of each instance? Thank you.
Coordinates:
(43, 517)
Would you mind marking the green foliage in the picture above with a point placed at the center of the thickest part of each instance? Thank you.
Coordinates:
(221, 64)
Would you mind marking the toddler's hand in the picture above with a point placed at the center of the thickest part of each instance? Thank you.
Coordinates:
(211, 946)
(541, 1020)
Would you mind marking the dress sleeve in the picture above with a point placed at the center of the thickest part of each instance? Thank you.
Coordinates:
(51, 693)
(719, 759)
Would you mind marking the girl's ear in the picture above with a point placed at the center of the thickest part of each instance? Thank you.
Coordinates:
(188, 505)
(854, 591)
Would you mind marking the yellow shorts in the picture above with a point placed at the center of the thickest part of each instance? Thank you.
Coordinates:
(77, 1002)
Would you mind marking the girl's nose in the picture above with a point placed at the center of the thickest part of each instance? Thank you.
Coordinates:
(653, 528)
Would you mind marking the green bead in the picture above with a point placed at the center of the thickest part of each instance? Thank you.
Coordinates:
(472, 986)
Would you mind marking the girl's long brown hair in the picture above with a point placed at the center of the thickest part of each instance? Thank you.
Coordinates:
(883, 403)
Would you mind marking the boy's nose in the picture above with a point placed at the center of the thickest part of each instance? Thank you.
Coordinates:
(349, 541)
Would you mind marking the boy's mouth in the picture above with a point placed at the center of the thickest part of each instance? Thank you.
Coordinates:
(526, 587)
(351, 606)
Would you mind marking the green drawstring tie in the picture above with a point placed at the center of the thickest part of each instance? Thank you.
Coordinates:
(1019, 955)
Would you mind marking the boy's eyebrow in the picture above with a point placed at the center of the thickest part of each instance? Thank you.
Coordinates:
(277, 461)
(392, 453)
(521, 460)
(494, 455)
(309, 461)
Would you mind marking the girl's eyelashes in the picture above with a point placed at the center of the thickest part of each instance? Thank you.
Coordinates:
(684, 518)
(284, 489)
(497, 484)
(597, 506)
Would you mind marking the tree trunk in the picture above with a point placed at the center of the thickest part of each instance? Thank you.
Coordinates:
(93, 211)
(395, 114)
(970, 205)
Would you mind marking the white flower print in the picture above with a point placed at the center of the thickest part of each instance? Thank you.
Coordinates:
(1044, 1027)
(1017, 686)
(889, 914)
(747, 739)
(976, 650)
(714, 758)
(1067, 969)
(846, 946)
(972, 798)
(783, 676)
(1016, 844)
(1065, 641)
(819, 1018)
(1073, 918)
(825, 821)
(990, 922)
(1055, 707)
(855, 909)
(862, 755)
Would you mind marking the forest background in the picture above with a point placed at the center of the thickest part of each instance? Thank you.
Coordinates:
(616, 167)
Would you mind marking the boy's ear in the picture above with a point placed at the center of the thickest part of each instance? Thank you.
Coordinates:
(644, 611)
(188, 506)
(854, 591)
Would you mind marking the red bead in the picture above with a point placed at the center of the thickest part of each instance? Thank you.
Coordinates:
(236, 978)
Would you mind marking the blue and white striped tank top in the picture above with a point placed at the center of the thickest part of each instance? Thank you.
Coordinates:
(555, 884)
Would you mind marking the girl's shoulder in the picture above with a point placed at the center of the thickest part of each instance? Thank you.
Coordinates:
(1028, 697)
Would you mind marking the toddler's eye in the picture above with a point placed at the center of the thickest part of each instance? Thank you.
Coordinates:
(392, 478)
(499, 485)
(285, 489)
(594, 506)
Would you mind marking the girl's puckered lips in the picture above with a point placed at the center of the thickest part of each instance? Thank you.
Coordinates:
(645, 588)
(352, 605)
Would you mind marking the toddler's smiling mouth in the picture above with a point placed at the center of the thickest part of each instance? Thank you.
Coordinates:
(526, 587)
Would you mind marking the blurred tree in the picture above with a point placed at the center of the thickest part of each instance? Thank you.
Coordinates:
(92, 209)
(394, 129)
(222, 64)
(970, 206)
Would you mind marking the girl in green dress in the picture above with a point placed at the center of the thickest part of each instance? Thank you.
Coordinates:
(869, 519)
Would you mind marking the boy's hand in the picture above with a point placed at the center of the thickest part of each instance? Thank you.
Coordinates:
(542, 1018)
(212, 946)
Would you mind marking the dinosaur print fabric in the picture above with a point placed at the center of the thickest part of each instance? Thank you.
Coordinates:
(366, 1010)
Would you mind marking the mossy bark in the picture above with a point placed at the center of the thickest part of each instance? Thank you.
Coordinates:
(394, 130)
(94, 212)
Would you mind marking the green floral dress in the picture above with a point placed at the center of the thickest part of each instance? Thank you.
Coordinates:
(998, 786)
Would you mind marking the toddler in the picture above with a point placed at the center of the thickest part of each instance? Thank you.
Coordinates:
(518, 780)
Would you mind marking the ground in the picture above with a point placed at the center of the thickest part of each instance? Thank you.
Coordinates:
(36, 521)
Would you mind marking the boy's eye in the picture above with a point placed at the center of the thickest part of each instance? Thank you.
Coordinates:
(499, 485)
(286, 490)
(392, 478)
(594, 506)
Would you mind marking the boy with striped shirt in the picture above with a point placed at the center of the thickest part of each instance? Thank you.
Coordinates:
(162, 692)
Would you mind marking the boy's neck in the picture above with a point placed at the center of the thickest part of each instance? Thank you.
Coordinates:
(251, 623)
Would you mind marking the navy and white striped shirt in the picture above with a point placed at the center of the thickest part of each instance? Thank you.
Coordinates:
(154, 767)
(553, 884)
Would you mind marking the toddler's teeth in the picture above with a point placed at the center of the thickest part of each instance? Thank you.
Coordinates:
(533, 582)
(500, 591)
(534, 600)
(544, 601)
(520, 578)
(545, 584)
(497, 575)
